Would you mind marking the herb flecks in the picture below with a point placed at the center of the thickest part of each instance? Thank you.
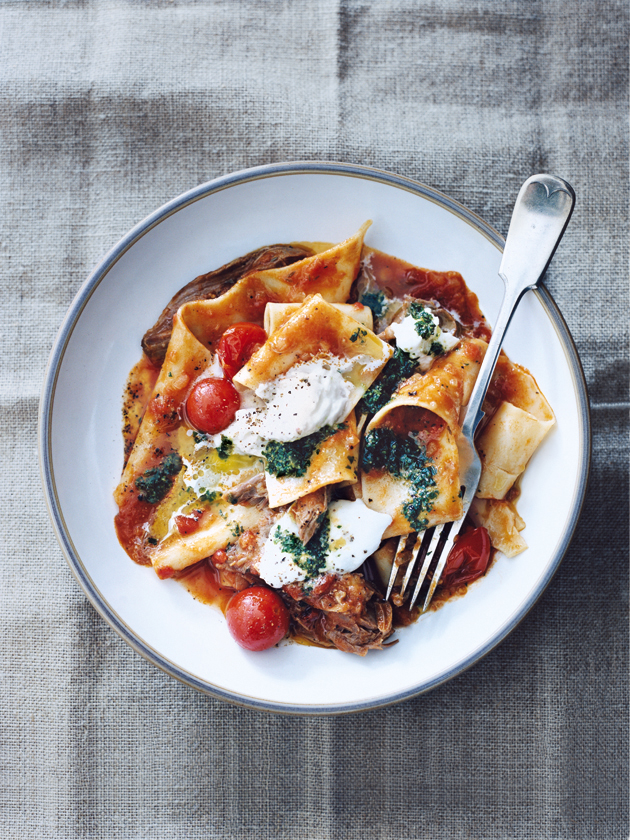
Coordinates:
(358, 333)
(398, 368)
(404, 458)
(155, 483)
(293, 458)
(224, 450)
(209, 496)
(310, 558)
(425, 325)
(376, 301)
(236, 530)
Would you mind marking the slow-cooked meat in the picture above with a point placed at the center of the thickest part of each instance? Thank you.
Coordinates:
(348, 615)
(213, 284)
(252, 492)
(243, 557)
(307, 512)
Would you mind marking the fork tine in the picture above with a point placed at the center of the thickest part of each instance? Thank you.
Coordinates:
(426, 562)
(402, 544)
(428, 557)
(446, 550)
(412, 561)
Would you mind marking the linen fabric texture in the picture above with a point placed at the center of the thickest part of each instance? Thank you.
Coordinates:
(109, 109)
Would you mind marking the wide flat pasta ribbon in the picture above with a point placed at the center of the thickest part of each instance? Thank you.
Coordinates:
(514, 431)
(428, 405)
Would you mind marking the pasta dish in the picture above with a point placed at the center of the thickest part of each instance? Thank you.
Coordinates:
(293, 414)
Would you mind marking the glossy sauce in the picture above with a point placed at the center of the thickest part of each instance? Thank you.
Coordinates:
(202, 581)
(426, 426)
(398, 278)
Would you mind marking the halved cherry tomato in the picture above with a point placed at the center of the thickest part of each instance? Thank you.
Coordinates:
(257, 618)
(237, 344)
(212, 404)
(468, 559)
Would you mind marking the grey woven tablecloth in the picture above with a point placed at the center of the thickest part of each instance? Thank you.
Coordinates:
(111, 108)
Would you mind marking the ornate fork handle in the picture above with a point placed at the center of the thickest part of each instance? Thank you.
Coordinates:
(541, 213)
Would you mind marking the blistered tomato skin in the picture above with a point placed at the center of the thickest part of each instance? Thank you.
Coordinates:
(468, 559)
(212, 404)
(257, 618)
(237, 345)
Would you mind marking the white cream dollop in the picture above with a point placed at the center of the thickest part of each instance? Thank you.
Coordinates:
(355, 533)
(419, 348)
(301, 401)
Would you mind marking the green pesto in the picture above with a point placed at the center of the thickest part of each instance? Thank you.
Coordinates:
(398, 368)
(294, 457)
(310, 558)
(225, 448)
(209, 496)
(236, 530)
(358, 333)
(376, 301)
(404, 458)
(425, 327)
(155, 483)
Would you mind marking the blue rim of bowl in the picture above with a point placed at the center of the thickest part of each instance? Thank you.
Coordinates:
(56, 360)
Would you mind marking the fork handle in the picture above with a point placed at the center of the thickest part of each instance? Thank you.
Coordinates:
(540, 216)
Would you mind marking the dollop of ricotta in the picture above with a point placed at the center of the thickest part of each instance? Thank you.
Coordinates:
(354, 533)
(307, 397)
(434, 341)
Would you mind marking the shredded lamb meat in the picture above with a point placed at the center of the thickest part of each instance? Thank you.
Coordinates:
(344, 612)
(348, 614)
(307, 512)
(243, 557)
(252, 492)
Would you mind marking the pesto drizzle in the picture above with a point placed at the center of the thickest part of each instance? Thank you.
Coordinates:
(425, 327)
(155, 483)
(398, 368)
(376, 301)
(294, 457)
(310, 558)
(404, 458)
(225, 448)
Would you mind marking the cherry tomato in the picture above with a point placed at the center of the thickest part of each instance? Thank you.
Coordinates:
(468, 559)
(212, 404)
(238, 343)
(257, 618)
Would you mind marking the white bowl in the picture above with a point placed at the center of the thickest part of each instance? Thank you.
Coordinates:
(81, 445)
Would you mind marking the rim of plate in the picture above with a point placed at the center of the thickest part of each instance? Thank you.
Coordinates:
(56, 360)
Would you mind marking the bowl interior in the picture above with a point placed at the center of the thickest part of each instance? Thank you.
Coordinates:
(82, 445)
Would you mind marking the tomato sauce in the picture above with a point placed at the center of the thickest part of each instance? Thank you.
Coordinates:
(202, 581)
(129, 521)
(133, 514)
(398, 278)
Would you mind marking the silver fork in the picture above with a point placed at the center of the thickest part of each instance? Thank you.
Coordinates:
(540, 216)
